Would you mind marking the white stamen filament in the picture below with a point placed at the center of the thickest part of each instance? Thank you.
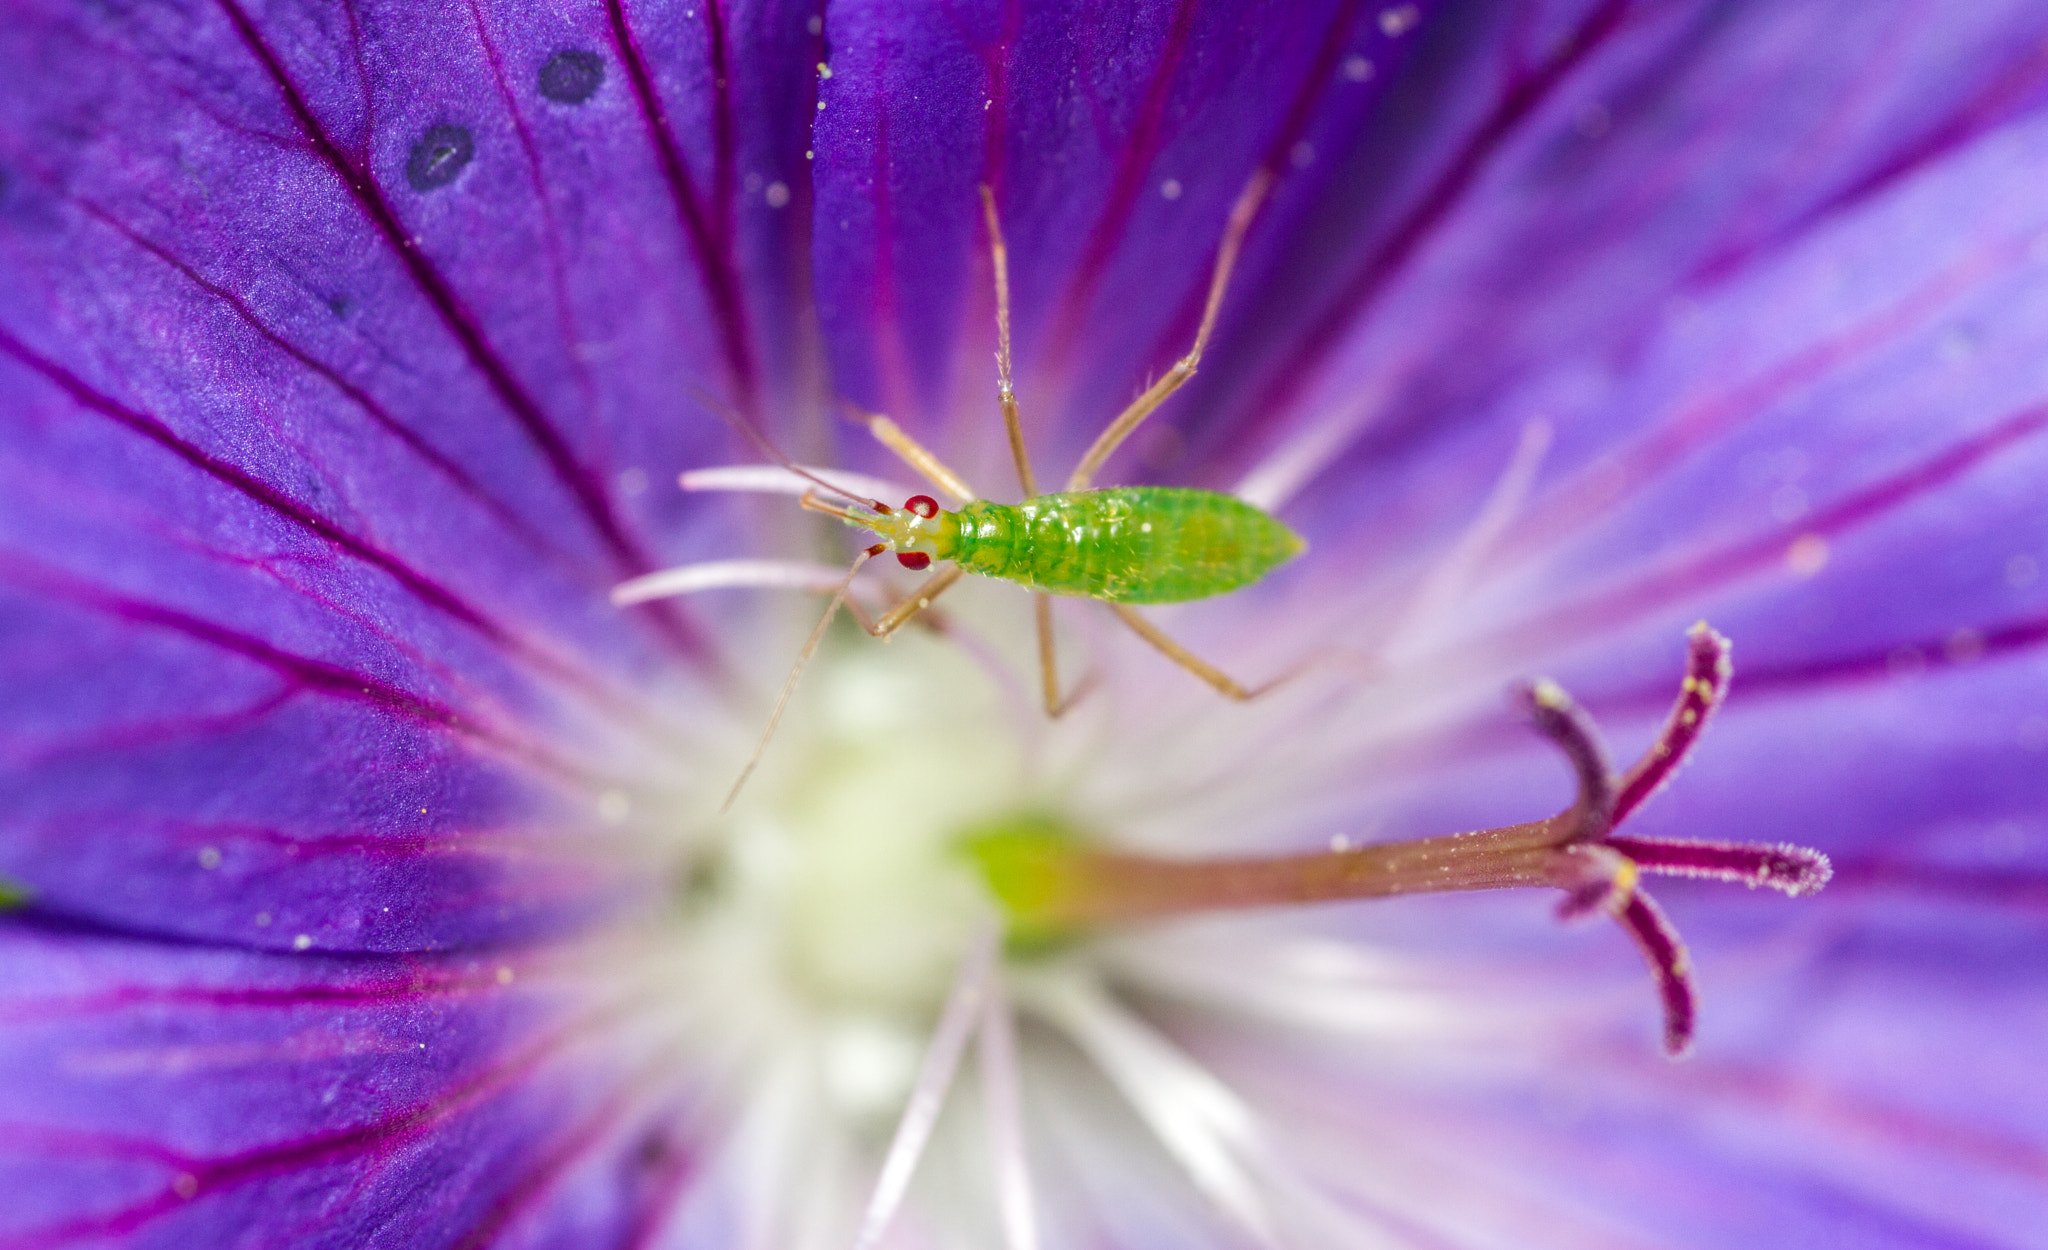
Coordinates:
(771, 1152)
(1311, 985)
(1199, 1121)
(1451, 575)
(689, 579)
(942, 1054)
(771, 479)
(1279, 477)
(1001, 1094)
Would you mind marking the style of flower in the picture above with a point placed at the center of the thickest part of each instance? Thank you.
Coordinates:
(363, 871)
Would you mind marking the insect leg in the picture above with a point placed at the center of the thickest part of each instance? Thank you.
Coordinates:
(839, 596)
(916, 455)
(1048, 659)
(1112, 437)
(915, 602)
(1221, 681)
(1013, 425)
(1006, 394)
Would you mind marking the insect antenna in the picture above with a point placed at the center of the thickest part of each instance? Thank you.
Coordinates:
(766, 446)
(811, 503)
(803, 657)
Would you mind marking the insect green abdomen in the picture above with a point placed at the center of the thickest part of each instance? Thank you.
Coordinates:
(1131, 544)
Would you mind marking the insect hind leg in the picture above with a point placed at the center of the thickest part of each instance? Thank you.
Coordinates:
(915, 454)
(1219, 681)
(913, 603)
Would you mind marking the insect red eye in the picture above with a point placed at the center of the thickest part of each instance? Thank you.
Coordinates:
(924, 505)
(913, 559)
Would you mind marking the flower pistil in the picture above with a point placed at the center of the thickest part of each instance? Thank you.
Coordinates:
(1053, 885)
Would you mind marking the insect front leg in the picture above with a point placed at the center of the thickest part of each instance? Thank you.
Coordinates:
(917, 456)
(1222, 682)
(915, 602)
(1112, 437)
(839, 598)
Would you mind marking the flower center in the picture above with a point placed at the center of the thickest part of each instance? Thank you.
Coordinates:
(890, 755)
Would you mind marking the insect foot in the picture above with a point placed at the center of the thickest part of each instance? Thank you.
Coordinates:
(1053, 886)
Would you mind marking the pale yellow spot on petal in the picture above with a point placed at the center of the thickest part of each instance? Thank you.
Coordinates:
(1807, 555)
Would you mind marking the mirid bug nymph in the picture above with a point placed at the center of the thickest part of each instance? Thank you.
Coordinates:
(1130, 544)
(1122, 545)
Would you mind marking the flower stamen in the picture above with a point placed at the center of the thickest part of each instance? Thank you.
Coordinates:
(996, 1054)
(964, 1010)
(690, 579)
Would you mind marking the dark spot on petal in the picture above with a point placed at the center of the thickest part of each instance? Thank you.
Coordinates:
(340, 305)
(572, 76)
(441, 153)
(655, 1149)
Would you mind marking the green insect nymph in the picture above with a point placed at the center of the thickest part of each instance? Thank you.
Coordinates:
(1122, 545)
(1125, 544)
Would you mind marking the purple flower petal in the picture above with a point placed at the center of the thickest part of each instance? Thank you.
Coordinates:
(272, 508)
(166, 1096)
(1115, 146)
(349, 355)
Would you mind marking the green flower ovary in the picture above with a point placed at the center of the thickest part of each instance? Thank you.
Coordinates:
(1028, 863)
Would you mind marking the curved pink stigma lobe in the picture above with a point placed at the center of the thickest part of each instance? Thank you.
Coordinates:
(1664, 951)
(1796, 870)
(1565, 723)
(1065, 887)
(1707, 671)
